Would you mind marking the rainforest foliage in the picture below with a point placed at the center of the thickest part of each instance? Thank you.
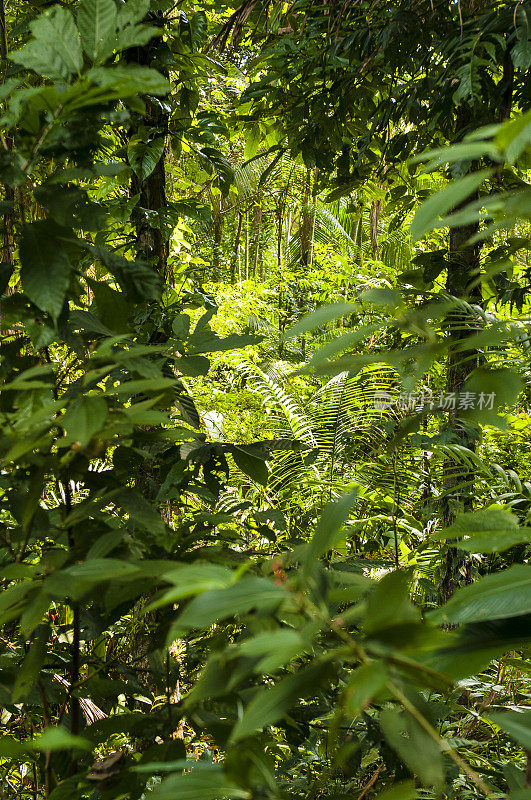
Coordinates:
(265, 419)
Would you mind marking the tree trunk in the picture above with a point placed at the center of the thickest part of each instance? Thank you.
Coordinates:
(257, 235)
(462, 283)
(151, 246)
(8, 238)
(218, 237)
(236, 249)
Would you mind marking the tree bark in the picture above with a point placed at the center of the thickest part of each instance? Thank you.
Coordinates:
(151, 246)
(461, 283)
(8, 237)
(236, 249)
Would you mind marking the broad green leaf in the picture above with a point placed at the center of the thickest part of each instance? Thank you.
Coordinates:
(198, 785)
(389, 604)
(100, 569)
(45, 270)
(521, 52)
(132, 11)
(366, 682)
(113, 307)
(32, 664)
(271, 703)
(84, 417)
(320, 317)
(383, 297)
(253, 140)
(505, 594)
(206, 341)
(516, 723)
(96, 21)
(130, 79)
(273, 648)
(34, 613)
(141, 386)
(13, 600)
(11, 747)
(327, 531)
(192, 366)
(405, 790)
(55, 52)
(144, 156)
(492, 389)
(250, 592)
(136, 36)
(192, 579)
(515, 135)
(255, 468)
(488, 531)
(414, 746)
(142, 513)
(441, 203)
(57, 738)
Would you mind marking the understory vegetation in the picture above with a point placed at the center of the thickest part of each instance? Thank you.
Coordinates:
(265, 409)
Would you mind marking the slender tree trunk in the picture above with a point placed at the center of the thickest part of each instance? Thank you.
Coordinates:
(305, 221)
(236, 251)
(462, 283)
(150, 240)
(374, 220)
(279, 220)
(8, 238)
(246, 244)
(218, 237)
(257, 236)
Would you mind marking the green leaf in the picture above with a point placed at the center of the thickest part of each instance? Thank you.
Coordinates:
(206, 341)
(389, 603)
(383, 297)
(488, 531)
(253, 140)
(32, 664)
(192, 579)
(13, 600)
(329, 525)
(366, 682)
(11, 748)
(505, 594)
(130, 79)
(516, 723)
(136, 36)
(96, 21)
(133, 11)
(414, 746)
(112, 306)
(493, 388)
(521, 52)
(405, 790)
(255, 468)
(514, 136)
(144, 156)
(270, 704)
(198, 785)
(439, 204)
(273, 648)
(55, 52)
(84, 417)
(320, 317)
(250, 592)
(45, 270)
(142, 513)
(57, 738)
(97, 570)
